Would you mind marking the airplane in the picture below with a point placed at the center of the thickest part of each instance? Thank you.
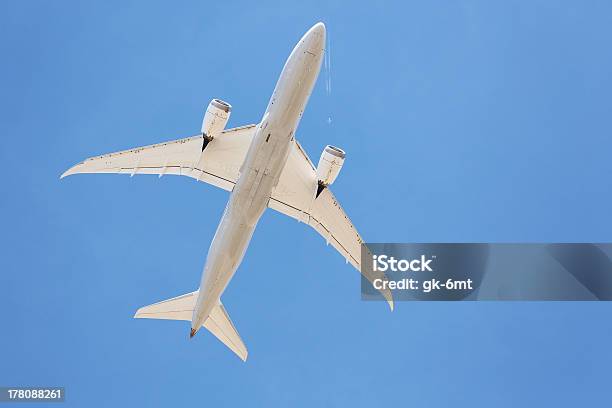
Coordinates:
(263, 166)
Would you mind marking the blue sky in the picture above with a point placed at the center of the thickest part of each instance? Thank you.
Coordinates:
(463, 121)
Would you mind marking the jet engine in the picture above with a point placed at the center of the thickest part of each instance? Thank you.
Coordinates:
(215, 118)
(329, 166)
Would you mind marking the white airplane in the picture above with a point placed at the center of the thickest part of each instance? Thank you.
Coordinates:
(263, 166)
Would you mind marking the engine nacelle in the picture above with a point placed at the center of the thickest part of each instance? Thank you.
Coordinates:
(215, 118)
(329, 166)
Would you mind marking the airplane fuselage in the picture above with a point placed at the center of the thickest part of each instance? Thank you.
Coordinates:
(260, 171)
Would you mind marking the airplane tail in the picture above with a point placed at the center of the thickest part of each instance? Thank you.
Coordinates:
(181, 308)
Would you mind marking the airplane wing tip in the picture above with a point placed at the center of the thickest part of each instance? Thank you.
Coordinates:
(389, 298)
(72, 170)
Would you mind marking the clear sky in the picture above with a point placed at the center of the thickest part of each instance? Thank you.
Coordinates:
(464, 121)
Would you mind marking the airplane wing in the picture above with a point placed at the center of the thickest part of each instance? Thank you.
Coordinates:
(218, 164)
(295, 196)
(181, 308)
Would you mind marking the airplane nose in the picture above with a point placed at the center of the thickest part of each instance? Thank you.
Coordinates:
(318, 29)
(316, 37)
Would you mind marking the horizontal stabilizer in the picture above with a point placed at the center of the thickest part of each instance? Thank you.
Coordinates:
(181, 308)
(178, 308)
(220, 324)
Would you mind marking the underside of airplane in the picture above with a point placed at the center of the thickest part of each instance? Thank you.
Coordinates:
(219, 157)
